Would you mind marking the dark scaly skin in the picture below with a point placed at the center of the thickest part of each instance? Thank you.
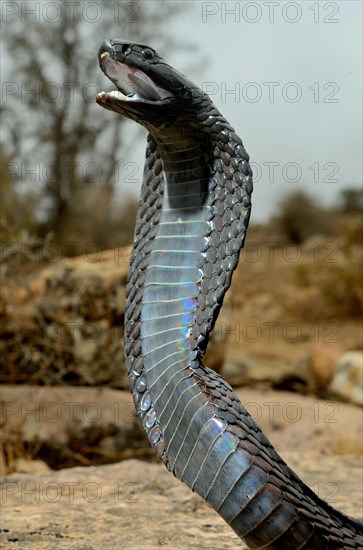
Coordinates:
(194, 421)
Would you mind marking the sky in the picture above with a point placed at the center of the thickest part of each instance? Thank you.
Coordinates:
(286, 74)
(288, 77)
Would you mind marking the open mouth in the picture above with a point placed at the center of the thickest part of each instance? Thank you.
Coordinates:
(132, 84)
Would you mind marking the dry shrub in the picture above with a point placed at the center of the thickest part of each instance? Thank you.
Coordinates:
(300, 217)
(335, 287)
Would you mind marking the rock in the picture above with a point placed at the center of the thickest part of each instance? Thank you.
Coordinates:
(134, 505)
(245, 367)
(65, 325)
(217, 349)
(70, 426)
(24, 466)
(304, 423)
(347, 382)
(323, 359)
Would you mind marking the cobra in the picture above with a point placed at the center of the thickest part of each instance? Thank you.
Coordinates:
(191, 224)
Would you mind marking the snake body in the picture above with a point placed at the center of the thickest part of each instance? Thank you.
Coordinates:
(191, 224)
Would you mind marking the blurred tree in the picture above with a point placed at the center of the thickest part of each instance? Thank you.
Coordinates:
(16, 209)
(351, 200)
(57, 141)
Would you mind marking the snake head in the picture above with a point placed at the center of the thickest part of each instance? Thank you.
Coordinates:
(148, 90)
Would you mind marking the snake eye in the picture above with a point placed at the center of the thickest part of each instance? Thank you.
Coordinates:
(147, 53)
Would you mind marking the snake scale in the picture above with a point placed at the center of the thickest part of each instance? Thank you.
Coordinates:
(191, 224)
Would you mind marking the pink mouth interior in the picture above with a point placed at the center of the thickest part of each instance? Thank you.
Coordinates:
(131, 82)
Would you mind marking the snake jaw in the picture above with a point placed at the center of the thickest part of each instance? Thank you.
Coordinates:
(101, 97)
(132, 83)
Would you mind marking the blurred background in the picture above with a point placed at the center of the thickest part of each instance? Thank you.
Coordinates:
(287, 75)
